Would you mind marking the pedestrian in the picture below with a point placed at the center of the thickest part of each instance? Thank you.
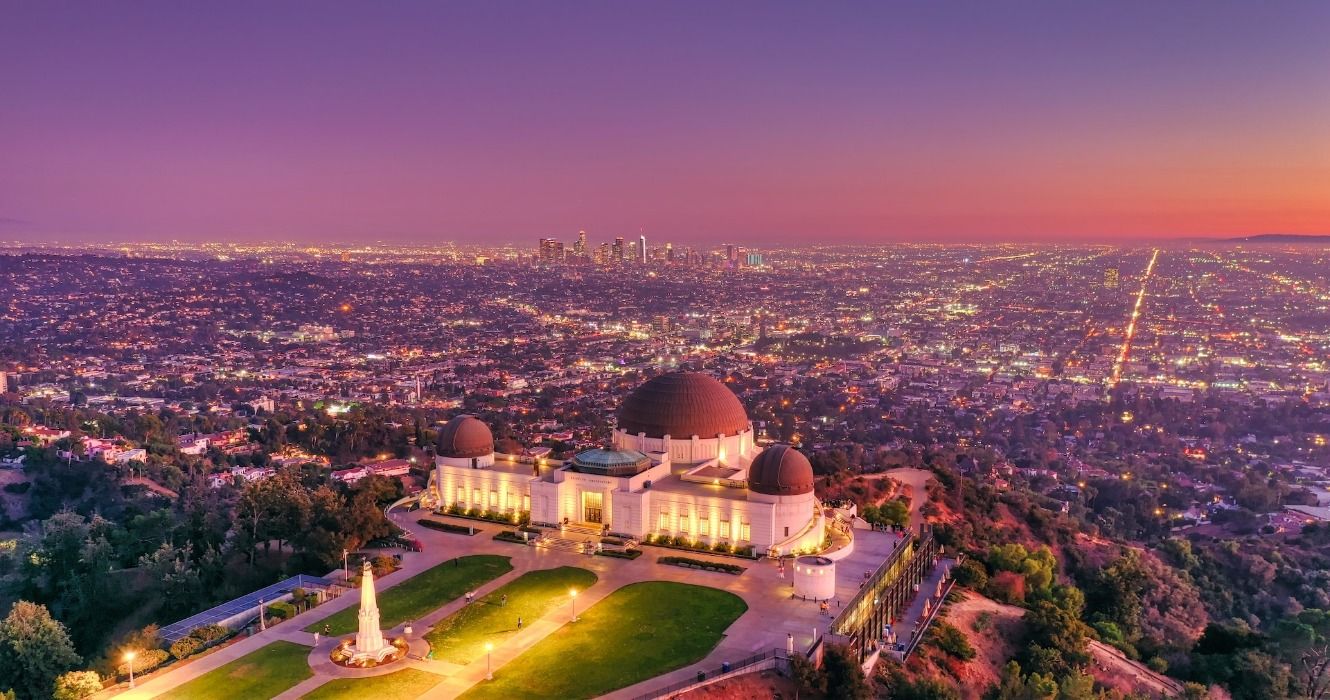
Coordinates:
(316, 639)
(504, 600)
(519, 622)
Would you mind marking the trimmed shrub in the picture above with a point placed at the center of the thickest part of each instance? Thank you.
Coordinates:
(144, 661)
(77, 685)
(626, 554)
(510, 536)
(209, 633)
(449, 527)
(282, 611)
(702, 564)
(186, 647)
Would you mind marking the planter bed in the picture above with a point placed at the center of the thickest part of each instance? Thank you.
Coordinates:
(450, 527)
(620, 554)
(687, 563)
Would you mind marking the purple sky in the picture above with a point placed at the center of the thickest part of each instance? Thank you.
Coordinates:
(761, 122)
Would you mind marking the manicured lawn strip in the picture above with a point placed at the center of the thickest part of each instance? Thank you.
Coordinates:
(262, 673)
(639, 631)
(461, 638)
(422, 593)
(405, 684)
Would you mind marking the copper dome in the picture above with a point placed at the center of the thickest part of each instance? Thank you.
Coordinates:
(780, 470)
(681, 405)
(464, 437)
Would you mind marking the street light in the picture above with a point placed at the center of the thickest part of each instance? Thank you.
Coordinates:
(346, 570)
(572, 593)
(489, 664)
(129, 656)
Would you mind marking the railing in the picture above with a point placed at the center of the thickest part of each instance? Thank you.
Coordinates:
(924, 624)
(705, 678)
(905, 548)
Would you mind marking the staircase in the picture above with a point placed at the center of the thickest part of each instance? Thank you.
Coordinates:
(564, 544)
(589, 530)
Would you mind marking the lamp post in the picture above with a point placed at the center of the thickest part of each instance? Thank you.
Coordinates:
(489, 664)
(129, 657)
(572, 593)
(346, 570)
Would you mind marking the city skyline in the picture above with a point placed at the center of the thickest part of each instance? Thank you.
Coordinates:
(768, 125)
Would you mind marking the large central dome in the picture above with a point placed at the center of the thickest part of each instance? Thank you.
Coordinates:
(681, 405)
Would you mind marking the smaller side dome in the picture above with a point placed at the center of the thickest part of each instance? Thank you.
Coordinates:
(465, 436)
(780, 470)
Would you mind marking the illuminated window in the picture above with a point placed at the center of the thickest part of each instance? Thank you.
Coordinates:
(494, 498)
(475, 496)
(683, 521)
(461, 494)
(664, 521)
(744, 533)
(526, 502)
(724, 531)
(704, 527)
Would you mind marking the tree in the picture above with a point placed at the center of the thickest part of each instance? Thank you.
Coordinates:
(34, 650)
(1055, 636)
(1304, 641)
(845, 678)
(77, 685)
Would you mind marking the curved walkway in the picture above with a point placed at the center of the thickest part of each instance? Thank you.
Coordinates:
(771, 615)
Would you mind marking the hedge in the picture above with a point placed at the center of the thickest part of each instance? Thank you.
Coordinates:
(449, 527)
(186, 647)
(143, 662)
(208, 633)
(510, 536)
(702, 564)
(625, 554)
(282, 611)
(77, 685)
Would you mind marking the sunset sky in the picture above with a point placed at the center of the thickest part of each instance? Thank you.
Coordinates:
(757, 122)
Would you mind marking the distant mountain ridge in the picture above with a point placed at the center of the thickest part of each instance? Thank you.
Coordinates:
(1280, 238)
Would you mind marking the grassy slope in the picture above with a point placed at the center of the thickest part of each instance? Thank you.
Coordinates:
(640, 631)
(423, 592)
(405, 684)
(461, 638)
(262, 673)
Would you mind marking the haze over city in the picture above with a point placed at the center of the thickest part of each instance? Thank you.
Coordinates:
(765, 123)
(512, 350)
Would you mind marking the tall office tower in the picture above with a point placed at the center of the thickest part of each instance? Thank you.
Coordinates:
(669, 252)
(4, 383)
(579, 248)
(1111, 278)
(754, 259)
(631, 254)
(543, 250)
(642, 249)
(617, 249)
(729, 253)
(603, 253)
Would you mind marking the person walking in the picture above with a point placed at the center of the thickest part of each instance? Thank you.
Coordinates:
(503, 602)
(519, 622)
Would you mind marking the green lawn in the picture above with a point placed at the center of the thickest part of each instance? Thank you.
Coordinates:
(639, 631)
(461, 637)
(405, 684)
(262, 673)
(422, 593)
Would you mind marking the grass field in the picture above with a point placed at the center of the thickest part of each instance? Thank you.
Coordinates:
(461, 638)
(405, 684)
(262, 673)
(423, 592)
(637, 632)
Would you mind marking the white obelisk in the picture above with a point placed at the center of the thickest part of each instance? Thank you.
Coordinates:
(369, 638)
